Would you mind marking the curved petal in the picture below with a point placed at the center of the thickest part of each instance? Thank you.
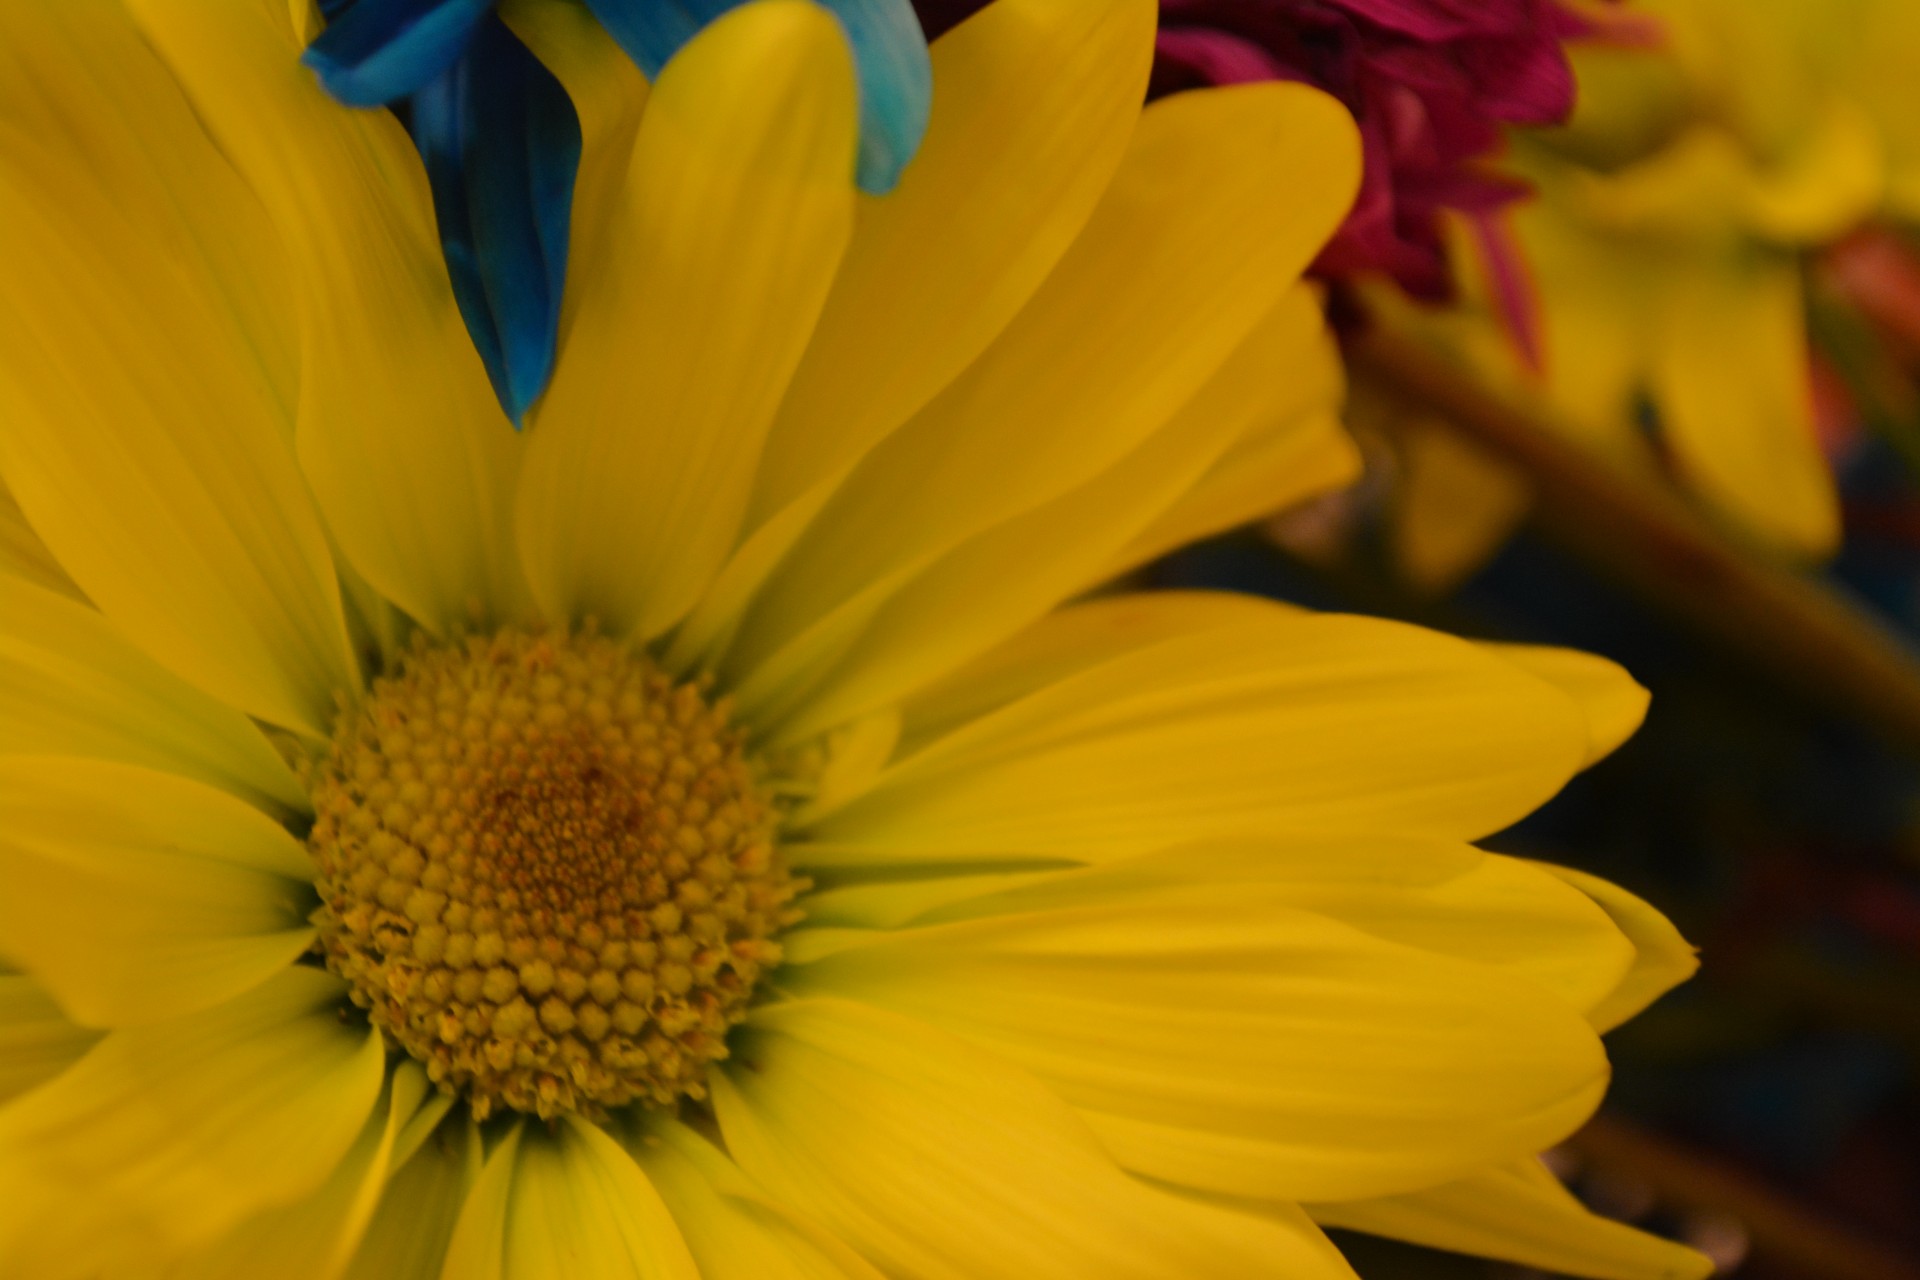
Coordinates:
(1613, 701)
(1434, 895)
(1066, 641)
(935, 1159)
(1596, 297)
(1519, 1213)
(315, 1238)
(24, 556)
(138, 896)
(410, 1231)
(1037, 101)
(569, 1200)
(1731, 380)
(736, 1232)
(1196, 240)
(398, 432)
(79, 79)
(896, 82)
(71, 685)
(37, 1040)
(966, 600)
(1662, 959)
(1296, 450)
(166, 1137)
(1292, 722)
(1216, 1036)
(1455, 504)
(734, 213)
(144, 431)
(379, 51)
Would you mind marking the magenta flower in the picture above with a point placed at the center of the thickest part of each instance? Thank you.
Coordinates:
(1430, 81)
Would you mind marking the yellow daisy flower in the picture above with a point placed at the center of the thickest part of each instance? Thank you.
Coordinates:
(691, 838)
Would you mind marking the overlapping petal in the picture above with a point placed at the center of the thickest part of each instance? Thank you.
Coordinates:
(965, 601)
(71, 685)
(567, 1197)
(165, 1137)
(434, 1167)
(137, 896)
(146, 390)
(399, 434)
(1286, 723)
(1214, 1033)
(314, 1238)
(936, 1159)
(1194, 242)
(734, 1230)
(1039, 100)
(37, 1040)
(725, 237)
(1517, 1212)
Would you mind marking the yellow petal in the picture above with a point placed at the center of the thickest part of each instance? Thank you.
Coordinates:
(1296, 449)
(1662, 958)
(1454, 505)
(1067, 641)
(166, 1137)
(24, 556)
(1197, 239)
(1502, 912)
(1037, 100)
(724, 240)
(1217, 1036)
(1035, 103)
(399, 433)
(408, 1237)
(935, 1159)
(315, 1238)
(1518, 1213)
(71, 685)
(37, 1041)
(78, 77)
(1732, 384)
(137, 896)
(144, 434)
(1291, 723)
(967, 600)
(1436, 895)
(736, 1232)
(1827, 186)
(1597, 297)
(570, 1202)
(1613, 702)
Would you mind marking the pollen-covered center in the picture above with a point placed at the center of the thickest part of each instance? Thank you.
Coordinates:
(547, 872)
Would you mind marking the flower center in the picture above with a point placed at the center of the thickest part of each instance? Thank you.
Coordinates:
(547, 872)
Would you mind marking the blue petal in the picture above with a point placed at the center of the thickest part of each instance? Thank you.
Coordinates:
(374, 52)
(896, 77)
(896, 85)
(501, 144)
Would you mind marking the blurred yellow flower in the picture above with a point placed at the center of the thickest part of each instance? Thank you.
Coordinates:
(691, 838)
(1668, 246)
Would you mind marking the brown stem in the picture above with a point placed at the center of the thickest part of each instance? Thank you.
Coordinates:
(1803, 634)
(1781, 1229)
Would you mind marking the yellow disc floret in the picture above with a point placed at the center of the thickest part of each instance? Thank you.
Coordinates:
(547, 872)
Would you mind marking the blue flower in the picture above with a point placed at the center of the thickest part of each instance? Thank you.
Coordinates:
(501, 142)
